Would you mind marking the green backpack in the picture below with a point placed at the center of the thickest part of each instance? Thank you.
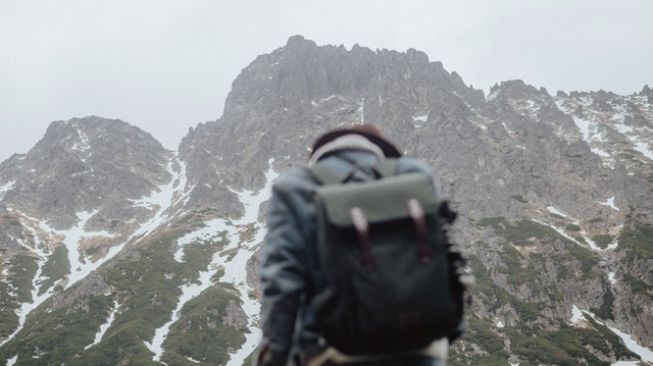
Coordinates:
(389, 278)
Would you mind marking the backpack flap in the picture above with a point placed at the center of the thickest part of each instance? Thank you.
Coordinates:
(380, 200)
(387, 285)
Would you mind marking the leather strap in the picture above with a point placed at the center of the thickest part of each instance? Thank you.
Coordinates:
(387, 167)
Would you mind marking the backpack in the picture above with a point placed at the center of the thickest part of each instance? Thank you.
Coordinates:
(389, 278)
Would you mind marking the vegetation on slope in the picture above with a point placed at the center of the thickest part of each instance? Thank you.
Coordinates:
(146, 282)
(528, 338)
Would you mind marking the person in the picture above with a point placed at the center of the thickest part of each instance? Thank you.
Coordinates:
(289, 258)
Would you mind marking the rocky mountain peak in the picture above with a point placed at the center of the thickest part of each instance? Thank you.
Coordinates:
(110, 158)
(297, 43)
(309, 88)
(516, 89)
(95, 133)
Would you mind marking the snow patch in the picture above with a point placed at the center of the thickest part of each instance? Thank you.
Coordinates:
(601, 153)
(211, 230)
(104, 327)
(12, 361)
(421, 118)
(36, 300)
(609, 203)
(492, 95)
(586, 127)
(611, 278)
(6, 188)
(164, 196)
(508, 130)
(192, 360)
(234, 268)
(83, 144)
(623, 129)
(559, 231)
(643, 352)
(188, 292)
(576, 315)
(167, 196)
(80, 267)
(640, 144)
(591, 243)
(499, 324)
(555, 211)
(361, 111)
(644, 149)
(315, 104)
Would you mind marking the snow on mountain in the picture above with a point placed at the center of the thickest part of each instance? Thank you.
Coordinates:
(105, 326)
(553, 194)
(232, 266)
(6, 188)
(643, 352)
(36, 297)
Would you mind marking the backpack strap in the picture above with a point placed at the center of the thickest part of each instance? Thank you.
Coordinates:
(324, 175)
(387, 167)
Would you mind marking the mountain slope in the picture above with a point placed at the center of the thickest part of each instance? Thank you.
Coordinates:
(116, 251)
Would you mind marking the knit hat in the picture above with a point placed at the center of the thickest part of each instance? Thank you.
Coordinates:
(368, 131)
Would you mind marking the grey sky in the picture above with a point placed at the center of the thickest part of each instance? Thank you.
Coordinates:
(166, 65)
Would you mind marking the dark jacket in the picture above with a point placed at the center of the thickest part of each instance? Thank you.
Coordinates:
(289, 257)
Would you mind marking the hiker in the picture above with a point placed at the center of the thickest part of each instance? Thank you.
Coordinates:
(294, 280)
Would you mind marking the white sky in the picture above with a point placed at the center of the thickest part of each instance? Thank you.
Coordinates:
(166, 65)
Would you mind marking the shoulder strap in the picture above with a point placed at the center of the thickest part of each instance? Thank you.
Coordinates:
(387, 167)
(324, 175)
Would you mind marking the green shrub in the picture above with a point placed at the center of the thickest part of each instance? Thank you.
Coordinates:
(200, 332)
(60, 334)
(520, 198)
(517, 272)
(637, 286)
(636, 239)
(617, 344)
(22, 271)
(528, 312)
(519, 233)
(605, 310)
(602, 241)
(55, 268)
(587, 259)
(572, 227)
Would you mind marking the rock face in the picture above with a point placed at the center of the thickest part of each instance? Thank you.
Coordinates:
(81, 163)
(553, 191)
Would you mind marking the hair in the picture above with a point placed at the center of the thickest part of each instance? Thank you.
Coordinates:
(368, 128)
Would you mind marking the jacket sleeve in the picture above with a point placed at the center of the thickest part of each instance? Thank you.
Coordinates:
(282, 275)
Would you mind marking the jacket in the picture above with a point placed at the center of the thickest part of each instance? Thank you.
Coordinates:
(289, 253)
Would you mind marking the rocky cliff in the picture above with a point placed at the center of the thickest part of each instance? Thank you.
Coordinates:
(116, 251)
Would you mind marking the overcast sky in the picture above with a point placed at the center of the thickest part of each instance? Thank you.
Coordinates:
(166, 65)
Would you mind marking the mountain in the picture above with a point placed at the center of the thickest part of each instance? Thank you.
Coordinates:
(116, 251)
